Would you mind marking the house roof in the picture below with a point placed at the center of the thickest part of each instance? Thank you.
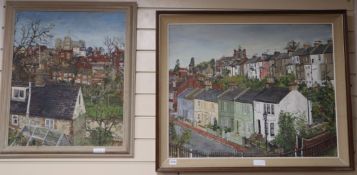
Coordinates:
(253, 60)
(282, 56)
(301, 52)
(185, 92)
(320, 49)
(329, 48)
(272, 95)
(231, 94)
(19, 84)
(192, 95)
(248, 97)
(51, 101)
(209, 95)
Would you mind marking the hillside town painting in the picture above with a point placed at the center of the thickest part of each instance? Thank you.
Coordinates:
(67, 78)
(251, 90)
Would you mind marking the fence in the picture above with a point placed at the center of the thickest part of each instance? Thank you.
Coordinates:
(319, 149)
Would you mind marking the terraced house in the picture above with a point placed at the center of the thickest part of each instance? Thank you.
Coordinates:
(185, 103)
(244, 116)
(269, 103)
(206, 107)
(226, 109)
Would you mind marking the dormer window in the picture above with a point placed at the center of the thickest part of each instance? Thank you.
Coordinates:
(19, 93)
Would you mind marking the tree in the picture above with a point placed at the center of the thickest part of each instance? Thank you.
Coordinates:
(106, 116)
(323, 103)
(102, 112)
(285, 139)
(28, 34)
(179, 139)
(177, 66)
(191, 66)
(212, 62)
(286, 80)
(292, 46)
(111, 43)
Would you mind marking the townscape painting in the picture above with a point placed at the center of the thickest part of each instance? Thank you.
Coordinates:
(235, 96)
(248, 89)
(69, 78)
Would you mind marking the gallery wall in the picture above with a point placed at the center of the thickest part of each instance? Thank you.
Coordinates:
(143, 162)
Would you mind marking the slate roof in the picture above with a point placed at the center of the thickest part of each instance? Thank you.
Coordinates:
(329, 48)
(301, 52)
(19, 84)
(272, 95)
(319, 49)
(253, 60)
(248, 97)
(282, 56)
(55, 101)
(209, 95)
(231, 94)
(192, 95)
(185, 92)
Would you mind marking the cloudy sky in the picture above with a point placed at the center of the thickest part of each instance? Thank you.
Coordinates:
(92, 27)
(207, 41)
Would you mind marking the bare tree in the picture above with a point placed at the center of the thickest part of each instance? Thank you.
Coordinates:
(111, 43)
(28, 34)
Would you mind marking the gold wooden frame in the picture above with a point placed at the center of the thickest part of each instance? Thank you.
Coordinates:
(345, 158)
(125, 150)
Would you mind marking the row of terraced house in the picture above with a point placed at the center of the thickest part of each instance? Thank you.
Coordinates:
(309, 64)
(241, 110)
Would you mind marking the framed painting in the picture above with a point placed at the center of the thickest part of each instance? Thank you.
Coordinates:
(253, 91)
(67, 80)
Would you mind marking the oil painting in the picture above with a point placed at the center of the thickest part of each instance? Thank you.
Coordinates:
(255, 90)
(237, 87)
(69, 75)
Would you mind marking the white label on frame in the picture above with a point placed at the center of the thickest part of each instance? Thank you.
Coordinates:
(98, 150)
(172, 161)
(259, 162)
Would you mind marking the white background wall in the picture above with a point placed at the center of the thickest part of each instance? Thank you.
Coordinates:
(144, 161)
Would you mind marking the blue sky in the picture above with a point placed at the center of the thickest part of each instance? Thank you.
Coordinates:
(91, 27)
(207, 41)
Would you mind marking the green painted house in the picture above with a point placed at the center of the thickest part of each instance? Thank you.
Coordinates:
(243, 121)
(226, 108)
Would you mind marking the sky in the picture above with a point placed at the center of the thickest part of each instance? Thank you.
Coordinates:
(92, 27)
(207, 41)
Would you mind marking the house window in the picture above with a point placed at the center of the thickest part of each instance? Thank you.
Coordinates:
(237, 126)
(272, 133)
(18, 93)
(272, 108)
(259, 127)
(49, 123)
(265, 108)
(268, 108)
(15, 120)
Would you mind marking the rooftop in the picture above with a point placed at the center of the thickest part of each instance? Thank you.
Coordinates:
(272, 95)
(231, 94)
(185, 92)
(248, 97)
(51, 101)
(209, 95)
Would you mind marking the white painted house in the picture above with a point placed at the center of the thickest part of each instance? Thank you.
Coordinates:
(253, 67)
(273, 101)
(316, 71)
